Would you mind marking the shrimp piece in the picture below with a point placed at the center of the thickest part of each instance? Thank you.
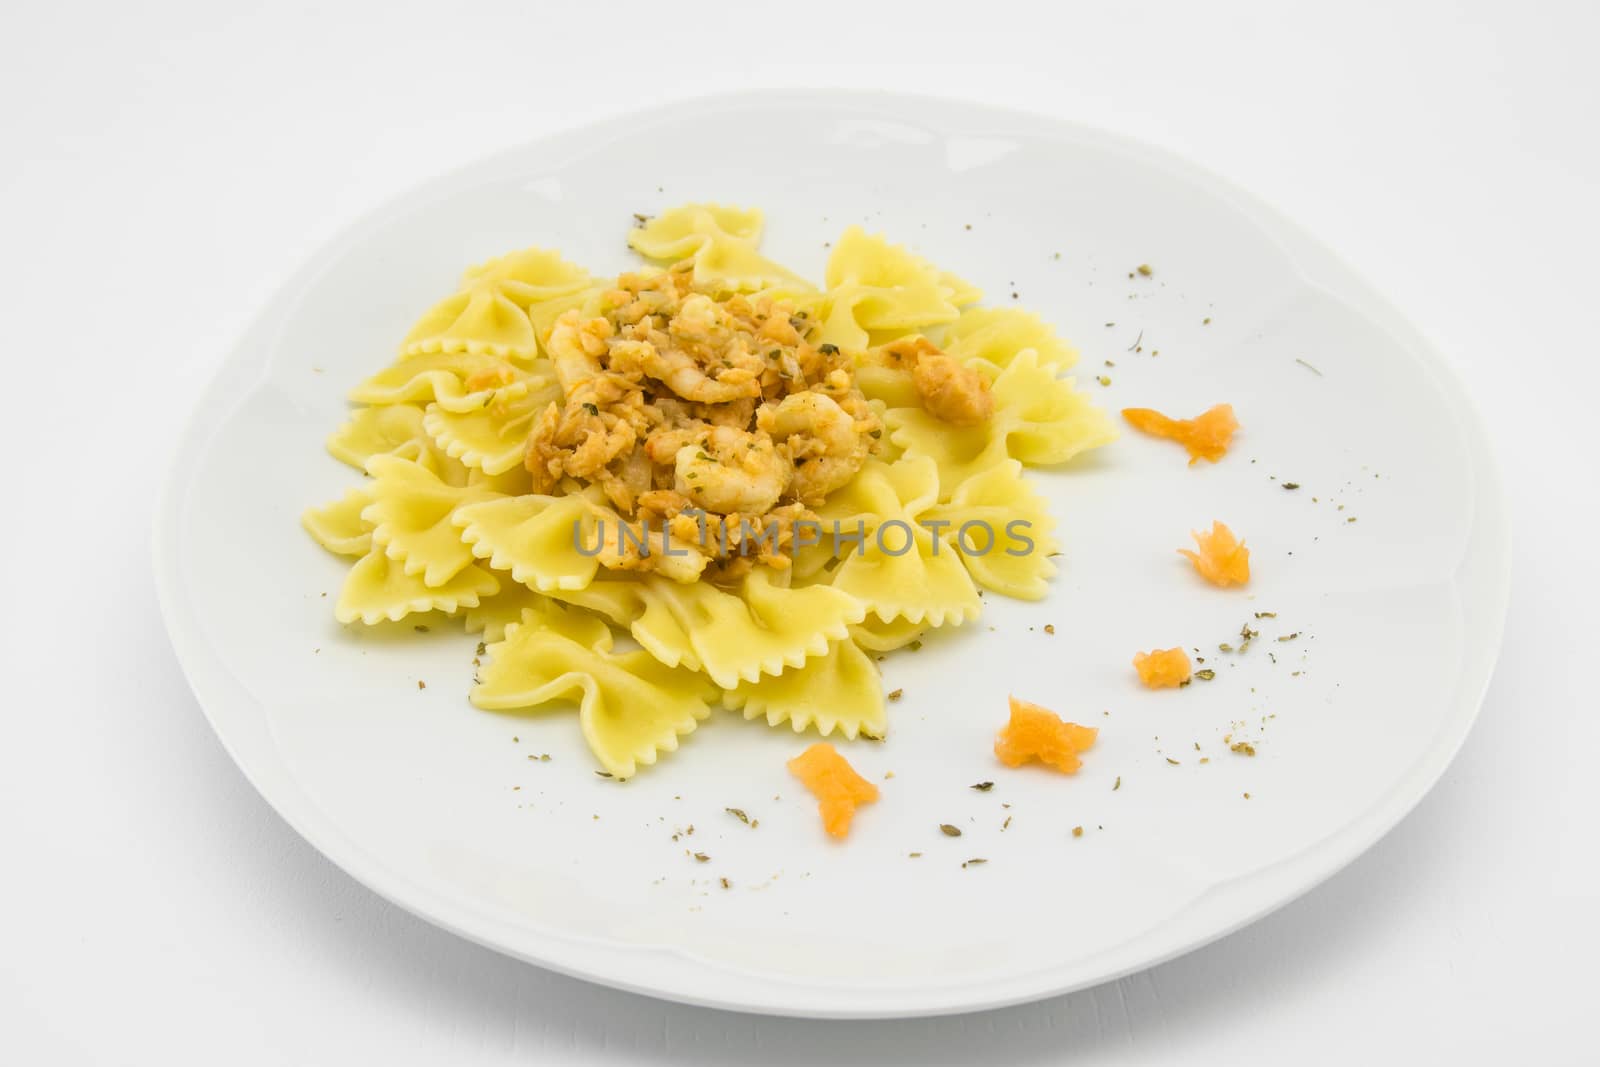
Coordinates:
(699, 320)
(625, 480)
(664, 502)
(543, 457)
(576, 345)
(958, 395)
(732, 471)
(736, 413)
(699, 358)
(626, 546)
(826, 445)
(679, 371)
(663, 446)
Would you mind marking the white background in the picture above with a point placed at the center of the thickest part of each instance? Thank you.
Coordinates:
(163, 168)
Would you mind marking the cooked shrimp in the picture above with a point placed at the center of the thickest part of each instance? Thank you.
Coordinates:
(681, 372)
(543, 456)
(700, 411)
(663, 445)
(626, 546)
(732, 470)
(626, 479)
(958, 395)
(576, 347)
(824, 442)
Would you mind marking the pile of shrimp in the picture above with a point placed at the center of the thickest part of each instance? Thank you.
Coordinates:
(712, 418)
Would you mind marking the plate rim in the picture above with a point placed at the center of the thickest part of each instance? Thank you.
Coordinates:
(1209, 918)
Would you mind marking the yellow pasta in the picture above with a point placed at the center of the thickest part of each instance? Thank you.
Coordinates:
(1001, 529)
(537, 538)
(767, 486)
(876, 291)
(631, 706)
(339, 527)
(455, 380)
(879, 636)
(395, 429)
(411, 515)
(998, 334)
(758, 629)
(493, 614)
(378, 588)
(491, 314)
(1039, 419)
(719, 241)
(838, 690)
(901, 571)
(493, 438)
(528, 278)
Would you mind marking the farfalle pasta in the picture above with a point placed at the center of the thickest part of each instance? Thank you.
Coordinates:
(763, 485)
(493, 311)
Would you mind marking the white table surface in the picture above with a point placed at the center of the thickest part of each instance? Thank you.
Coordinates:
(163, 169)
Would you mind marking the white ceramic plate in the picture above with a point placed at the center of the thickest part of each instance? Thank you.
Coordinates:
(1389, 561)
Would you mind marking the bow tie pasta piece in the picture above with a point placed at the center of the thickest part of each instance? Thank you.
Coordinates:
(840, 690)
(529, 277)
(631, 604)
(535, 537)
(679, 233)
(378, 588)
(494, 437)
(631, 706)
(879, 636)
(339, 527)
(999, 334)
(877, 291)
(898, 572)
(514, 482)
(814, 564)
(481, 321)
(911, 583)
(901, 489)
(855, 317)
(765, 629)
(1039, 419)
(393, 429)
(493, 614)
(891, 489)
(1008, 548)
(860, 258)
(893, 387)
(411, 513)
(492, 313)
(456, 381)
(543, 613)
(721, 242)
(960, 292)
(374, 431)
